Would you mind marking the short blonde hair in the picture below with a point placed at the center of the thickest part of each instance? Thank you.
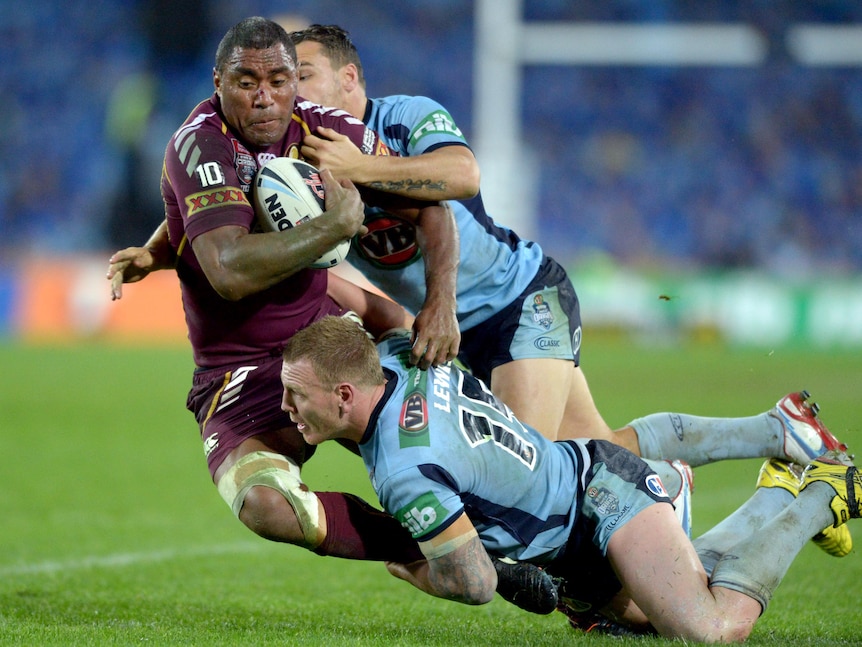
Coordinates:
(339, 351)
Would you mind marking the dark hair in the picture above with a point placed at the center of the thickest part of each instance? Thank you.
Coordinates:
(338, 47)
(252, 33)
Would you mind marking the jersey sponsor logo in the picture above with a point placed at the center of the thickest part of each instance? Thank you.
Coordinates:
(546, 343)
(439, 122)
(198, 202)
(542, 314)
(390, 242)
(414, 414)
(653, 484)
(244, 162)
(422, 515)
(413, 424)
(210, 444)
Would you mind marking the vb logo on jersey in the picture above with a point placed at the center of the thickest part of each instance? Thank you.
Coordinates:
(390, 242)
(413, 422)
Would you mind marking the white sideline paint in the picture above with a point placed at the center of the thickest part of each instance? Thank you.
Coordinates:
(127, 559)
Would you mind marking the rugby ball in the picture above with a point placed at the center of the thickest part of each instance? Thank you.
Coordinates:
(289, 192)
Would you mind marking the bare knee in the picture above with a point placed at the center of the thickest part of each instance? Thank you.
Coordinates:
(720, 629)
(267, 513)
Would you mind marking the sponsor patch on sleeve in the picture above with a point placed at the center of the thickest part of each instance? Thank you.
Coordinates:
(205, 200)
(438, 122)
(422, 515)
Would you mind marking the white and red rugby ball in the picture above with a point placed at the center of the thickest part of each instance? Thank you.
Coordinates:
(289, 192)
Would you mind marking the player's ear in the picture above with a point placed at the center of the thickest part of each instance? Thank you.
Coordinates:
(349, 77)
(346, 396)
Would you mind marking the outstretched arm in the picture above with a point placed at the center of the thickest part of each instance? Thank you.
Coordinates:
(133, 264)
(446, 173)
(457, 566)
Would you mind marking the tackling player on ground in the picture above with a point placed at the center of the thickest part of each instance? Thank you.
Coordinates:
(465, 476)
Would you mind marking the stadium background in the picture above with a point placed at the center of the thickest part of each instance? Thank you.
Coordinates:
(719, 201)
(689, 203)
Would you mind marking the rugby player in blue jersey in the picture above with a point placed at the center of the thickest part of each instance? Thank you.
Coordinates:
(517, 309)
(452, 463)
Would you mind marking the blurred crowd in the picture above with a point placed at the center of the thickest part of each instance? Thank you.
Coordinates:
(673, 167)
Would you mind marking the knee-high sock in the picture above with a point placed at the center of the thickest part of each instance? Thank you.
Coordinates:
(698, 440)
(355, 530)
(756, 564)
(748, 518)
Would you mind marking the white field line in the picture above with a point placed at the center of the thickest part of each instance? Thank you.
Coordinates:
(127, 559)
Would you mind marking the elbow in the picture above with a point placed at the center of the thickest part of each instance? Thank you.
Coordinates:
(468, 182)
(469, 587)
(228, 288)
(481, 596)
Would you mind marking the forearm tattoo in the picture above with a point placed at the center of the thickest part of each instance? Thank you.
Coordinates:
(409, 185)
(463, 574)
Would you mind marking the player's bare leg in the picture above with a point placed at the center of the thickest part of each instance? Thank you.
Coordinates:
(548, 394)
(663, 576)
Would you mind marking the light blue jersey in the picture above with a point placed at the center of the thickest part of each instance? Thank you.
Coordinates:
(442, 444)
(496, 265)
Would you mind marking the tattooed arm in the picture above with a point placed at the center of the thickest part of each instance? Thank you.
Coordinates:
(456, 566)
(446, 173)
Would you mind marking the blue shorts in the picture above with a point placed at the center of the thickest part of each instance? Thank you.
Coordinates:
(543, 322)
(617, 486)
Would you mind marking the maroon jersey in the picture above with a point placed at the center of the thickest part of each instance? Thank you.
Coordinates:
(206, 179)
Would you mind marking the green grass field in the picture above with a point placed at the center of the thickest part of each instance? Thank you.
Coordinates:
(111, 533)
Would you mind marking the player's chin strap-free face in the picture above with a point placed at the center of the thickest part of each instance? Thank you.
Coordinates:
(278, 472)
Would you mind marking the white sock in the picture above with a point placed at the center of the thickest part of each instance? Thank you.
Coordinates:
(756, 564)
(752, 515)
(698, 440)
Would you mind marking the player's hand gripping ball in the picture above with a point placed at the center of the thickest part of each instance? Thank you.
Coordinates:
(289, 192)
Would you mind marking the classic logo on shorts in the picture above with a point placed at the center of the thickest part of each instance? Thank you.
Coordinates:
(546, 343)
(422, 514)
(542, 314)
(390, 243)
(654, 485)
(413, 423)
(606, 502)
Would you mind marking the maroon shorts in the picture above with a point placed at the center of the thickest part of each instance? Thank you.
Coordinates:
(234, 403)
